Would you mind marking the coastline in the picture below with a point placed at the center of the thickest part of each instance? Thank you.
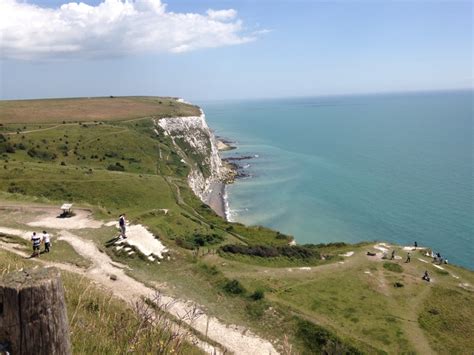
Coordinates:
(217, 199)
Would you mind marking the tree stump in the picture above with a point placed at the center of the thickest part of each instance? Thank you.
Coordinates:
(33, 318)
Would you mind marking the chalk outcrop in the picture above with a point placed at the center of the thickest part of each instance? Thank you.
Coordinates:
(197, 146)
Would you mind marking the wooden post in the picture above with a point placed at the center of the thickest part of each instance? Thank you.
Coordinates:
(33, 318)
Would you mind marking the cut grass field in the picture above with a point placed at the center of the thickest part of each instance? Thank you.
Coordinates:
(92, 109)
(350, 302)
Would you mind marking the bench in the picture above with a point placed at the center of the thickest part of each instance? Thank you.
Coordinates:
(67, 210)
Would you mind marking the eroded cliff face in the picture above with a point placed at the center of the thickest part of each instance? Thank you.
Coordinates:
(197, 146)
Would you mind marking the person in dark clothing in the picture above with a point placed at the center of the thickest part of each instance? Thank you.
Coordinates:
(408, 258)
(426, 277)
(416, 245)
(393, 255)
(122, 225)
(36, 240)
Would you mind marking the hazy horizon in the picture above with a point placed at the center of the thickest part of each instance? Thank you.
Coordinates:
(198, 101)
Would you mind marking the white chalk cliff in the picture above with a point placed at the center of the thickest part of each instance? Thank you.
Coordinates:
(192, 137)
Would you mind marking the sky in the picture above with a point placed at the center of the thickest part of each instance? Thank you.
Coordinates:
(232, 49)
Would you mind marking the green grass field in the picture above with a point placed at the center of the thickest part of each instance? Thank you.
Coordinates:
(119, 164)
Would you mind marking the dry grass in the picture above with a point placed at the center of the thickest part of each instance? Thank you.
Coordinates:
(91, 109)
(102, 324)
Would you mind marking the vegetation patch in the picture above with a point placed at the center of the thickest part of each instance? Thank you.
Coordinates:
(234, 287)
(319, 340)
(265, 251)
(116, 167)
(447, 318)
(102, 324)
(393, 267)
(197, 240)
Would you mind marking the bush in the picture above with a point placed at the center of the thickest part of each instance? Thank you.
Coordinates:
(319, 340)
(15, 189)
(206, 239)
(258, 295)
(116, 167)
(393, 267)
(234, 287)
(6, 147)
(265, 251)
(40, 154)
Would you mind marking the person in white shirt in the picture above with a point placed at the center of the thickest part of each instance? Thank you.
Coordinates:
(47, 242)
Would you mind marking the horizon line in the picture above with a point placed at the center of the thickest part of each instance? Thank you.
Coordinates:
(353, 94)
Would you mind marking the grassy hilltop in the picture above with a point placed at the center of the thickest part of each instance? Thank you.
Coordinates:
(104, 154)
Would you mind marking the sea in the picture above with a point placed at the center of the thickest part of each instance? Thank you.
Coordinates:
(385, 167)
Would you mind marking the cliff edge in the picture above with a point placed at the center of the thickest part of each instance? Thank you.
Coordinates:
(198, 148)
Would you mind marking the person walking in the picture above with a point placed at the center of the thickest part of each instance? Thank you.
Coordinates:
(393, 254)
(46, 241)
(122, 225)
(408, 258)
(36, 240)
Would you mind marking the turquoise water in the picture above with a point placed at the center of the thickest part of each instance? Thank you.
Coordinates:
(388, 167)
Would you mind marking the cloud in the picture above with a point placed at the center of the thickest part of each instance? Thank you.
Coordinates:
(112, 28)
(222, 15)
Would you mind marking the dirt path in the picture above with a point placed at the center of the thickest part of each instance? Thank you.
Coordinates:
(412, 328)
(43, 129)
(233, 338)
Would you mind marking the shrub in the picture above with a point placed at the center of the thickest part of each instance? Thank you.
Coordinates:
(266, 251)
(6, 147)
(257, 295)
(200, 240)
(319, 340)
(35, 153)
(116, 167)
(15, 189)
(111, 154)
(234, 287)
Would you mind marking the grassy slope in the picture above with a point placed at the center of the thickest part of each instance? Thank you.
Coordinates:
(364, 310)
(101, 324)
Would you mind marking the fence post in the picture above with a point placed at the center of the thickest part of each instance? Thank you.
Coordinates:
(33, 318)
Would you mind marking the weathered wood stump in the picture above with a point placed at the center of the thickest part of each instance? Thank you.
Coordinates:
(33, 318)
